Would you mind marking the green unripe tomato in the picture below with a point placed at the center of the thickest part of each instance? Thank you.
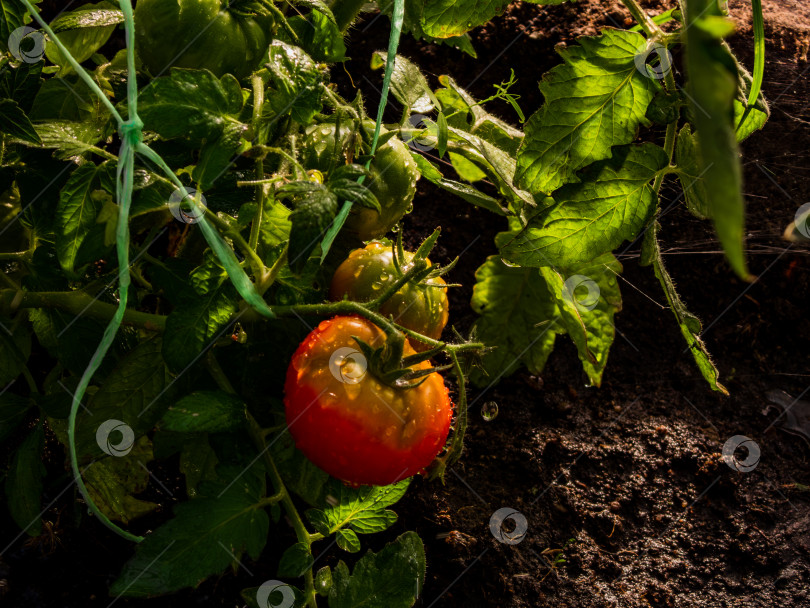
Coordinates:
(363, 276)
(204, 34)
(392, 177)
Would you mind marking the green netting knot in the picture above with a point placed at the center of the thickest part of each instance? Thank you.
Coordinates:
(131, 131)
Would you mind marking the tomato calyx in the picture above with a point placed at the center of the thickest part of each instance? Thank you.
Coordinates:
(416, 269)
(390, 367)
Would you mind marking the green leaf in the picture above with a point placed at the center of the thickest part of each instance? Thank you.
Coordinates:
(276, 225)
(470, 194)
(136, 392)
(198, 462)
(348, 540)
(295, 561)
(470, 116)
(15, 123)
(83, 32)
(689, 323)
(392, 578)
(499, 165)
(64, 99)
(70, 139)
(299, 474)
(364, 509)
(587, 299)
(15, 348)
(205, 412)
(77, 211)
(21, 83)
(689, 173)
(412, 25)
(294, 83)
(467, 170)
(70, 339)
(204, 537)
(748, 119)
(12, 412)
(192, 104)
(219, 155)
(323, 581)
(113, 482)
(611, 205)
(596, 100)
(318, 36)
(24, 483)
(713, 85)
(311, 219)
(408, 85)
(446, 18)
(348, 189)
(90, 15)
(12, 16)
(197, 322)
(518, 318)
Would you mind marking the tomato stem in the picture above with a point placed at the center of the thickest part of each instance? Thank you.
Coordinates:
(258, 102)
(78, 303)
(417, 267)
(282, 495)
(649, 26)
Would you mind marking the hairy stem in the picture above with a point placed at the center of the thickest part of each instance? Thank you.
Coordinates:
(649, 26)
(282, 494)
(258, 102)
(80, 304)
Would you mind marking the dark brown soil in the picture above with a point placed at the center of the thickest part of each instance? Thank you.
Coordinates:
(626, 482)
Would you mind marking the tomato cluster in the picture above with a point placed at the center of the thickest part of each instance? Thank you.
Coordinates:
(344, 411)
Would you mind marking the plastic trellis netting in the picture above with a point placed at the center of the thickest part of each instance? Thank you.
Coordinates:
(130, 131)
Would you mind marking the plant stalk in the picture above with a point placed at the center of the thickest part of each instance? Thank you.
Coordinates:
(80, 304)
(646, 22)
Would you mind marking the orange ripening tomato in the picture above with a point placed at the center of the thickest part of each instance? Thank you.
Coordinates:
(349, 423)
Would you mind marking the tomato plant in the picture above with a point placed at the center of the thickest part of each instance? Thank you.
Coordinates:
(419, 306)
(176, 214)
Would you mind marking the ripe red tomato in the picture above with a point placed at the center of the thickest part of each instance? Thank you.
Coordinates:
(349, 423)
(366, 272)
